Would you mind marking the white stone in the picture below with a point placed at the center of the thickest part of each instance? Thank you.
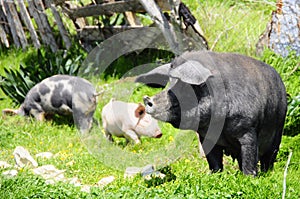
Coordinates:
(105, 181)
(75, 181)
(50, 181)
(10, 173)
(46, 155)
(50, 172)
(23, 157)
(86, 188)
(130, 172)
(4, 165)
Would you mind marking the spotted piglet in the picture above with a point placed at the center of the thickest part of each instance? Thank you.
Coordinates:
(62, 95)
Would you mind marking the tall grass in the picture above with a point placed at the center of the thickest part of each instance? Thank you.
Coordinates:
(232, 26)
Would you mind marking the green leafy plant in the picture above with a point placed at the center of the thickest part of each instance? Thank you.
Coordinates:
(293, 116)
(38, 66)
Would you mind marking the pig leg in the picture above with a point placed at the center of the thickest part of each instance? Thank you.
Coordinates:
(249, 155)
(267, 159)
(8, 111)
(214, 157)
(11, 112)
(131, 135)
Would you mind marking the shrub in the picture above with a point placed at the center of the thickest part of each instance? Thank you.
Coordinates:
(292, 124)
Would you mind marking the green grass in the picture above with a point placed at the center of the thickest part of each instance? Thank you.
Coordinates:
(12, 58)
(231, 26)
(192, 176)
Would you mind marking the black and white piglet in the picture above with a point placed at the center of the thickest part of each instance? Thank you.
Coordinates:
(63, 95)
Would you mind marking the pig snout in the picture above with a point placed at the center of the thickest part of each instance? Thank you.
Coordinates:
(148, 104)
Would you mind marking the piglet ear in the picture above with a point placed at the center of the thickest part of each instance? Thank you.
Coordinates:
(156, 78)
(140, 111)
(191, 72)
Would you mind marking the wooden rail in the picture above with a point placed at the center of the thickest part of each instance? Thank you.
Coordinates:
(113, 7)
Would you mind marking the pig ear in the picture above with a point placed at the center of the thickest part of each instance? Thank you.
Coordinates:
(191, 72)
(157, 77)
(140, 111)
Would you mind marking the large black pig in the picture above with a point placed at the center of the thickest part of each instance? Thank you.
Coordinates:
(236, 104)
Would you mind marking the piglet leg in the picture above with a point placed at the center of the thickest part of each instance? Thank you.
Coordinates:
(109, 136)
(131, 135)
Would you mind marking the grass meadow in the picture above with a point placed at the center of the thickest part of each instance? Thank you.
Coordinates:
(229, 26)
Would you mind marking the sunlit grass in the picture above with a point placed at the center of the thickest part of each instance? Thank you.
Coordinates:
(228, 26)
(232, 26)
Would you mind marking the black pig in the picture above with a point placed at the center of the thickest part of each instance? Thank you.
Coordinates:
(235, 103)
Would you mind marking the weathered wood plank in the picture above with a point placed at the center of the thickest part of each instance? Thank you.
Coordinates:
(3, 19)
(93, 33)
(106, 9)
(3, 37)
(27, 20)
(20, 32)
(160, 20)
(11, 23)
(4, 29)
(34, 13)
(45, 25)
(63, 32)
(132, 19)
(112, 7)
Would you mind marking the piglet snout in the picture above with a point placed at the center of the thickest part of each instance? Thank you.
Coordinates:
(158, 136)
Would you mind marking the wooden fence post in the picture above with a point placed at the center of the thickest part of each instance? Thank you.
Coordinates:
(3, 37)
(36, 10)
(26, 18)
(64, 34)
(3, 27)
(18, 25)
(11, 23)
(46, 26)
(161, 21)
(33, 12)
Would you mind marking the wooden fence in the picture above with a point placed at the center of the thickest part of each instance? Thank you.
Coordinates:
(25, 22)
